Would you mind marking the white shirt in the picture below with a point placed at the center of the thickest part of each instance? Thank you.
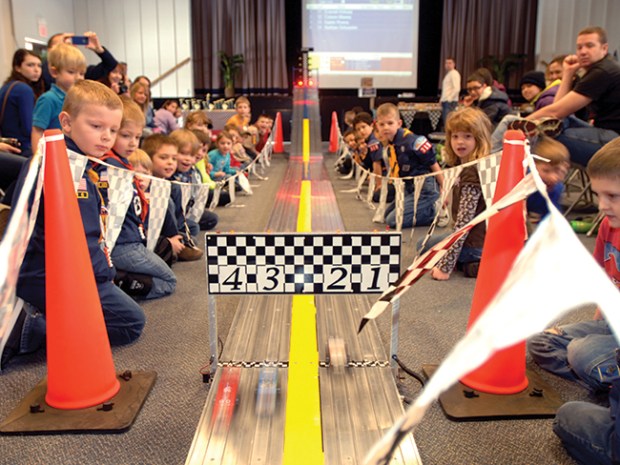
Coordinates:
(451, 86)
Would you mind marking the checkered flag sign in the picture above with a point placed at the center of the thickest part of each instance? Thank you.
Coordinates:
(425, 262)
(488, 168)
(158, 205)
(13, 247)
(301, 263)
(434, 116)
(120, 194)
(201, 196)
(77, 164)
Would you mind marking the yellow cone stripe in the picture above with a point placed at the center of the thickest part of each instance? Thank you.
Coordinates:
(303, 443)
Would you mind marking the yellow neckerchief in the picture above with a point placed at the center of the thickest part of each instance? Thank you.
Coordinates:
(393, 159)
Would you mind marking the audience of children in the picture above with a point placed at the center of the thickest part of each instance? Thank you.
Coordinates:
(140, 272)
(467, 139)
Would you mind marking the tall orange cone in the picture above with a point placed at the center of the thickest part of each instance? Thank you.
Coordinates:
(504, 372)
(333, 134)
(80, 369)
(278, 137)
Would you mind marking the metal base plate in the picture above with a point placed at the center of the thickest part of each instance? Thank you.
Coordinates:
(34, 416)
(462, 403)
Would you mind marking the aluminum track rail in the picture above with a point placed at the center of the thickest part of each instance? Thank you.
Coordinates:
(358, 403)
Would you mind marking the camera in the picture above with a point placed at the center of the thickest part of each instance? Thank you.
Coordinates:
(122, 88)
(79, 40)
(11, 141)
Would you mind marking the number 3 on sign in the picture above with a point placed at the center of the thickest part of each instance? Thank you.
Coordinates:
(234, 278)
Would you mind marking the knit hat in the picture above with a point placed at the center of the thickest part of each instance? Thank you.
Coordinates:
(534, 77)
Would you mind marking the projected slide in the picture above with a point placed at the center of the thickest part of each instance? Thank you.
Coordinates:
(362, 38)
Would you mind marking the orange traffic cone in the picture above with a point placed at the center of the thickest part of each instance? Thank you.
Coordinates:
(278, 145)
(81, 372)
(504, 373)
(333, 134)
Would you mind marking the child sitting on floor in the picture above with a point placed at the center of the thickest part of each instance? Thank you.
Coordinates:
(552, 173)
(189, 146)
(468, 138)
(220, 157)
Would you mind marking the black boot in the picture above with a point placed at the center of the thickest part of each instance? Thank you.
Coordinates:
(134, 284)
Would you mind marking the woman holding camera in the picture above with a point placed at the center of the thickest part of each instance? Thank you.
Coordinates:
(17, 97)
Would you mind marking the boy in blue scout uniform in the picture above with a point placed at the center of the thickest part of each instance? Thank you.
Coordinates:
(90, 119)
(409, 155)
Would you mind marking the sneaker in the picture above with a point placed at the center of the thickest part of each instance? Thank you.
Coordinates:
(550, 127)
(189, 254)
(470, 269)
(526, 126)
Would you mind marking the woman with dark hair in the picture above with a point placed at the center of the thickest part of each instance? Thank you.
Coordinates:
(17, 97)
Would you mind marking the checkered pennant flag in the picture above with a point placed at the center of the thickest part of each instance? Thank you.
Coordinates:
(231, 188)
(434, 116)
(77, 164)
(449, 178)
(158, 206)
(13, 247)
(399, 200)
(198, 208)
(380, 214)
(244, 183)
(360, 183)
(372, 182)
(488, 169)
(425, 262)
(186, 194)
(120, 194)
(216, 196)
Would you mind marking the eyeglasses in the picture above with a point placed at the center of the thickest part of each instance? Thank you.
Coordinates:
(473, 89)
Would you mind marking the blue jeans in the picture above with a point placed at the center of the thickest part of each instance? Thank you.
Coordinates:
(124, 318)
(585, 430)
(446, 109)
(467, 255)
(584, 352)
(426, 206)
(136, 258)
(583, 142)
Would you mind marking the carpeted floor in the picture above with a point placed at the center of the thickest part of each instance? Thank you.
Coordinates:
(433, 316)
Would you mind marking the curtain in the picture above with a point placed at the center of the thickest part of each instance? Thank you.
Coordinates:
(474, 29)
(255, 28)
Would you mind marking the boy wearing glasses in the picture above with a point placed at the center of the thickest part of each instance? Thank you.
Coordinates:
(492, 101)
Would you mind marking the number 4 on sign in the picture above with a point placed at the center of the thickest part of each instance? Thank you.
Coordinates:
(235, 278)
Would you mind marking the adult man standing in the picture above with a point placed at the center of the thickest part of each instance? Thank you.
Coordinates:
(450, 88)
(598, 90)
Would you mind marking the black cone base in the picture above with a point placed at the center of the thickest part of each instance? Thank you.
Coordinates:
(34, 416)
(462, 403)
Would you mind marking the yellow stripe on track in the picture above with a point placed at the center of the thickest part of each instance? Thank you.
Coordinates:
(303, 441)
